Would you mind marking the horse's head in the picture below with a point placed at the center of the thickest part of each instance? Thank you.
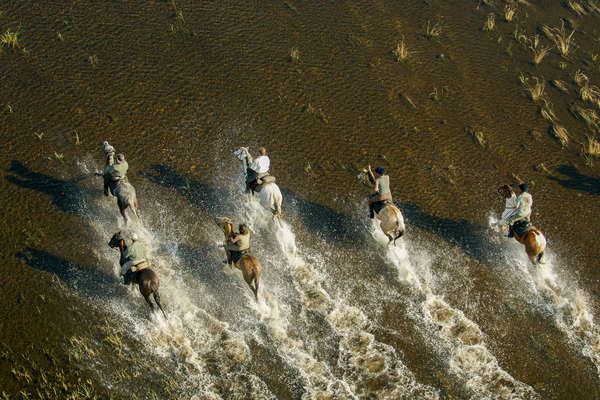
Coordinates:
(225, 223)
(115, 240)
(240, 153)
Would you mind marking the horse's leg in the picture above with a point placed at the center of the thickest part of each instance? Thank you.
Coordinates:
(146, 290)
(122, 208)
(540, 258)
(154, 287)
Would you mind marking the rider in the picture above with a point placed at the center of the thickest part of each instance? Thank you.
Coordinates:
(523, 209)
(257, 168)
(381, 191)
(115, 173)
(238, 244)
(135, 257)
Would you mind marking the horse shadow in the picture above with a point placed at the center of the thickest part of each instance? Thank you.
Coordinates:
(92, 282)
(66, 195)
(576, 180)
(208, 198)
(473, 238)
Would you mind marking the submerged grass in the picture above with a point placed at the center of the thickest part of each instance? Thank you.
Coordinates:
(434, 30)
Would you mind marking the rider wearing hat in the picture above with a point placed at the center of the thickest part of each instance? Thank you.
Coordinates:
(523, 210)
(238, 244)
(381, 190)
(135, 257)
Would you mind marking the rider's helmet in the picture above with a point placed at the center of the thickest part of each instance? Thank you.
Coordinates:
(134, 236)
(524, 187)
(380, 170)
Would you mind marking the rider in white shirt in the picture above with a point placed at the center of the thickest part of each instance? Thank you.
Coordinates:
(523, 209)
(257, 168)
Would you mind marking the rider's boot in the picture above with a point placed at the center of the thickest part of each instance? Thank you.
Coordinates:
(510, 232)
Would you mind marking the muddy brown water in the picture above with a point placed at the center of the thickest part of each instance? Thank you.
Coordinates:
(179, 85)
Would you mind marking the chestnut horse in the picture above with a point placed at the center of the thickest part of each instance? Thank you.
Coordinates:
(248, 264)
(535, 244)
(146, 279)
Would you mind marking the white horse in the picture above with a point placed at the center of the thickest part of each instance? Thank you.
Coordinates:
(269, 195)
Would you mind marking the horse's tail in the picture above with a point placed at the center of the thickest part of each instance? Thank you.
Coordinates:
(156, 296)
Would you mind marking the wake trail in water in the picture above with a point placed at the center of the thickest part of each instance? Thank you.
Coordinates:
(456, 335)
(556, 292)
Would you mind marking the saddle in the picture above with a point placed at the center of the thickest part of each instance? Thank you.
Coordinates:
(380, 205)
(521, 227)
(236, 255)
(257, 185)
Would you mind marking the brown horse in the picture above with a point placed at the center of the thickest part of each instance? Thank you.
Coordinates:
(248, 264)
(146, 279)
(535, 244)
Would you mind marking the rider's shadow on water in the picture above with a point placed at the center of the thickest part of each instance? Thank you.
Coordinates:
(576, 180)
(66, 195)
(92, 282)
(208, 198)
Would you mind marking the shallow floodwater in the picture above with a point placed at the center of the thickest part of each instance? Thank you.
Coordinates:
(454, 310)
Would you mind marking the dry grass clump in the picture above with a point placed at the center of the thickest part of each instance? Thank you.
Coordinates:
(590, 93)
(433, 30)
(560, 133)
(560, 85)
(547, 113)
(10, 38)
(575, 7)
(560, 38)
(536, 91)
(580, 78)
(589, 116)
(294, 55)
(592, 147)
(509, 12)
(400, 52)
(540, 53)
(489, 23)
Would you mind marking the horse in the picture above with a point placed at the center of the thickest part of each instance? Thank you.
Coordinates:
(146, 279)
(390, 218)
(268, 193)
(126, 197)
(248, 264)
(391, 222)
(535, 243)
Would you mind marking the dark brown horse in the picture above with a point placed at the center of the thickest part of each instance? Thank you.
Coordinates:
(248, 264)
(146, 279)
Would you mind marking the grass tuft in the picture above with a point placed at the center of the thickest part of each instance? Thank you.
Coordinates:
(294, 55)
(559, 36)
(434, 30)
(547, 113)
(509, 12)
(540, 53)
(400, 52)
(560, 133)
(589, 116)
(560, 85)
(575, 7)
(489, 23)
(536, 91)
(10, 38)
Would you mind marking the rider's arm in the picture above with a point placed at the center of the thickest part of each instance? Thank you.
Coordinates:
(248, 156)
(234, 238)
(370, 175)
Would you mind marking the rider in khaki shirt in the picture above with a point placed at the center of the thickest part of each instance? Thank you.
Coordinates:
(238, 244)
